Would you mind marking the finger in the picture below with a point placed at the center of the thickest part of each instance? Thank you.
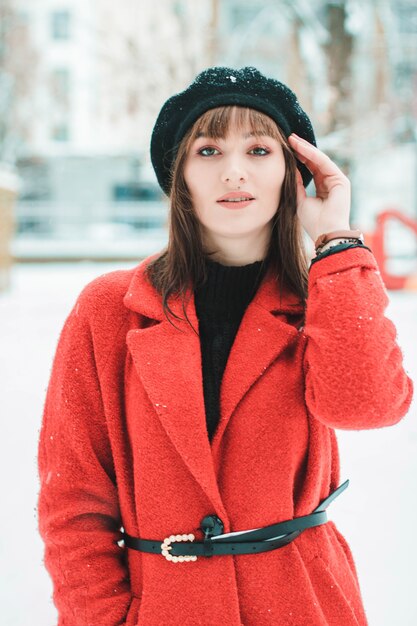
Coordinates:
(299, 177)
(316, 160)
(311, 154)
(301, 192)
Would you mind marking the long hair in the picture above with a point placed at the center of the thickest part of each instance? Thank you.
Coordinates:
(181, 263)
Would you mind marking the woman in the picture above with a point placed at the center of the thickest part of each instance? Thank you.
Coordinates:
(193, 399)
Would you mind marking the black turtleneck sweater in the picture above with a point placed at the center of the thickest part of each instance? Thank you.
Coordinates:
(220, 304)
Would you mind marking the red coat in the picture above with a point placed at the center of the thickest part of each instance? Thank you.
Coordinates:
(124, 442)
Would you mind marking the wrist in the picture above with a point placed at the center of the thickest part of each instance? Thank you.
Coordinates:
(332, 229)
(330, 244)
(325, 238)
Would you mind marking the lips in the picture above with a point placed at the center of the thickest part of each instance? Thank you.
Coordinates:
(233, 195)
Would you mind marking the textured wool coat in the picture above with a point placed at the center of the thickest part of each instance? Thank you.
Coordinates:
(124, 443)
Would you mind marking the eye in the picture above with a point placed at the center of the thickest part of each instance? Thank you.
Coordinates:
(266, 151)
(206, 148)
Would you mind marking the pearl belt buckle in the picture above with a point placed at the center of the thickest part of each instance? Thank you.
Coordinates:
(166, 546)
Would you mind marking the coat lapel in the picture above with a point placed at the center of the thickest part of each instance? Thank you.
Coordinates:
(260, 339)
(168, 362)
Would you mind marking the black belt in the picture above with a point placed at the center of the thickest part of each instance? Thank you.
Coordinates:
(238, 542)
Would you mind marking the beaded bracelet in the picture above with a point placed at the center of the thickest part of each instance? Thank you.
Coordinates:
(338, 248)
(322, 249)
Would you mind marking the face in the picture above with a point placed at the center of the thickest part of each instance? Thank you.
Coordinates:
(241, 162)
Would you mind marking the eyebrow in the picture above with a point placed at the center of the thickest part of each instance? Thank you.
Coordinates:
(244, 135)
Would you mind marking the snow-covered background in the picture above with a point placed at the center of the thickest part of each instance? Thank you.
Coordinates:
(377, 513)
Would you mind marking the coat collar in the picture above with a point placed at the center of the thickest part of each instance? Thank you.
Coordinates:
(144, 299)
(168, 361)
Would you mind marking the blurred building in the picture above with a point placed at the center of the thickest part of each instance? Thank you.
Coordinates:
(100, 72)
(382, 142)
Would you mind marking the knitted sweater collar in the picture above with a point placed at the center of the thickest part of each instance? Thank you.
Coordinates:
(228, 289)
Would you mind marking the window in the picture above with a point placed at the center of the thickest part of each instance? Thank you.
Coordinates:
(133, 191)
(407, 17)
(61, 24)
(179, 9)
(60, 132)
(243, 14)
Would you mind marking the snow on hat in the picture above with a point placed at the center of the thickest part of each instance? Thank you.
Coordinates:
(219, 86)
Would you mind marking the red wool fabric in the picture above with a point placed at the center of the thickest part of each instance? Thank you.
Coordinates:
(124, 443)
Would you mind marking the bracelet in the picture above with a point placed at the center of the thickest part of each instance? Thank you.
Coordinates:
(337, 234)
(325, 247)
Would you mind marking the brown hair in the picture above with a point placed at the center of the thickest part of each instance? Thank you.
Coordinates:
(181, 264)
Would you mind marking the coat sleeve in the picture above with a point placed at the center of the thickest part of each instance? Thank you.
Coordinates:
(78, 511)
(354, 376)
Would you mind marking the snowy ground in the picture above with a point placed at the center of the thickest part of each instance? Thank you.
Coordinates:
(377, 514)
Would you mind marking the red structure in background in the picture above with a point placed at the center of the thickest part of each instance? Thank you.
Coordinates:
(376, 242)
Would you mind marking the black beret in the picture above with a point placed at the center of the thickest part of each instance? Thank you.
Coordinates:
(218, 86)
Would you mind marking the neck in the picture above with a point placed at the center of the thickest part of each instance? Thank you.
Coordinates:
(238, 252)
(233, 262)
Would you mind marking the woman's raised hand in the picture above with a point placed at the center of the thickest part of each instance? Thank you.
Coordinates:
(329, 210)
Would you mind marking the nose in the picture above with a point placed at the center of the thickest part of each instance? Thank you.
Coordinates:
(234, 172)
